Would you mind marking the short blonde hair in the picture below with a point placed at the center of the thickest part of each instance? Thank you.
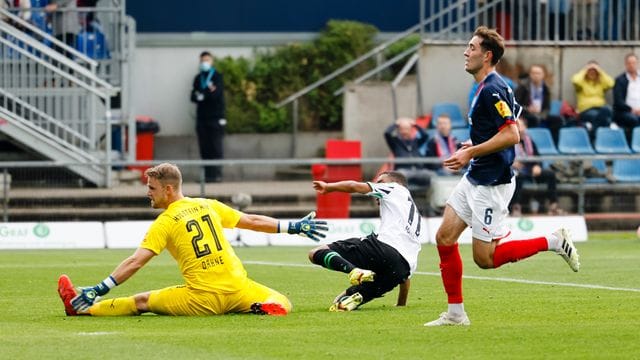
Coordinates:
(166, 174)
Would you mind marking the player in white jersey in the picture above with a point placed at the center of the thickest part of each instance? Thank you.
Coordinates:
(379, 262)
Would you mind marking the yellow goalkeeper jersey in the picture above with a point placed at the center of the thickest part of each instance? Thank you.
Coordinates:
(191, 229)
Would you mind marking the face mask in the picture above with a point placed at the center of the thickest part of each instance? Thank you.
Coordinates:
(205, 66)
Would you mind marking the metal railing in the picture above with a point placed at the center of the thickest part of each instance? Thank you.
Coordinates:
(56, 83)
(9, 170)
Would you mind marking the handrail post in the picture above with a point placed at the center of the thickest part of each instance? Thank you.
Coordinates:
(422, 17)
(294, 130)
(394, 101)
(5, 195)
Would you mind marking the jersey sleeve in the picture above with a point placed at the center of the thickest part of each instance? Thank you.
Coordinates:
(228, 215)
(503, 105)
(380, 190)
(156, 237)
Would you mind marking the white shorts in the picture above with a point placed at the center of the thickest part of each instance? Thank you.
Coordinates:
(482, 207)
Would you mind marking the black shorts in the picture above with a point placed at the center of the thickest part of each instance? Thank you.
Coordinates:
(372, 254)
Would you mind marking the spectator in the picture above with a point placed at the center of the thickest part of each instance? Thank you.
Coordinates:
(532, 172)
(558, 10)
(208, 94)
(65, 22)
(403, 142)
(626, 95)
(591, 83)
(535, 97)
(442, 145)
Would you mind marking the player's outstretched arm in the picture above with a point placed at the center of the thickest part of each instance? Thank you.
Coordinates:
(403, 293)
(348, 186)
(122, 273)
(307, 226)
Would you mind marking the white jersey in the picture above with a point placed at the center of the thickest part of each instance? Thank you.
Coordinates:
(401, 225)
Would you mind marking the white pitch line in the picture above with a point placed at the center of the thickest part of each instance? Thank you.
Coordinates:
(473, 277)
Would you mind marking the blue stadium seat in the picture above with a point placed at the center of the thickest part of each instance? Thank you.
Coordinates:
(626, 170)
(543, 140)
(461, 134)
(451, 109)
(635, 139)
(611, 141)
(555, 107)
(574, 140)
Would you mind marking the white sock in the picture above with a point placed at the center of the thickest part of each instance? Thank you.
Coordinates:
(553, 243)
(456, 309)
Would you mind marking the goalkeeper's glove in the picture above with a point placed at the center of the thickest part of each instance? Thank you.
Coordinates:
(313, 229)
(83, 301)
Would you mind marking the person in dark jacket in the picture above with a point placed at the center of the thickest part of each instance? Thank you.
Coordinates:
(405, 139)
(535, 97)
(208, 94)
(626, 95)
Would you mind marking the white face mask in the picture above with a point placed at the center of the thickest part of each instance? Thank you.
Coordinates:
(205, 66)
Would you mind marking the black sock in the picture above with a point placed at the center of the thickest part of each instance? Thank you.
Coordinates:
(332, 260)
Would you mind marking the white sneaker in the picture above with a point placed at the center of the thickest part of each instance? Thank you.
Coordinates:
(567, 250)
(447, 319)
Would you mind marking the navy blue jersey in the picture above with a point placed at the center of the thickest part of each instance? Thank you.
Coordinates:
(493, 108)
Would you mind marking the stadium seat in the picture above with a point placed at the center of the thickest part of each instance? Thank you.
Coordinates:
(574, 140)
(635, 139)
(626, 170)
(461, 134)
(555, 107)
(611, 141)
(543, 140)
(451, 109)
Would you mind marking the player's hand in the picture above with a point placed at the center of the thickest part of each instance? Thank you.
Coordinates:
(458, 160)
(320, 187)
(313, 229)
(88, 295)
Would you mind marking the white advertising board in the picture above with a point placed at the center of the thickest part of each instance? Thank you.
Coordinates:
(52, 235)
(525, 227)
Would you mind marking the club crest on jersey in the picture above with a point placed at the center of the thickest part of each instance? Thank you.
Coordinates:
(503, 108)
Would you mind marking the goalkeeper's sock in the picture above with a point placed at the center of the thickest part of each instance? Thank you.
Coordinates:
(512, 251)
(332, 260)
(115, 307)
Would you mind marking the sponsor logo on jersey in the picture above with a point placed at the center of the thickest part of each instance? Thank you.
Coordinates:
(503, 109)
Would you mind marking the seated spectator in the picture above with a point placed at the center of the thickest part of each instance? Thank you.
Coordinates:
(591, 84)
(532, 172)
(535, 97)
(442, 145)
(404, 142)
(626, 95)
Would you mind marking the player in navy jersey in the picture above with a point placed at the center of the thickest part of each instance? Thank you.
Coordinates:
(379, 262)
(481, 198)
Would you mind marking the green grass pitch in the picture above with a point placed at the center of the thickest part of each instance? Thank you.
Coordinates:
(592, 314)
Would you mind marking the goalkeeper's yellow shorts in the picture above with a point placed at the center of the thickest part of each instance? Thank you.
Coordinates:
(183, 301)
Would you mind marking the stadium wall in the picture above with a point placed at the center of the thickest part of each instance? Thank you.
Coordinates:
(129, 234)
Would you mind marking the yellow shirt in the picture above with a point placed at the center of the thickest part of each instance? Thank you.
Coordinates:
(591, 94)
(191, 229)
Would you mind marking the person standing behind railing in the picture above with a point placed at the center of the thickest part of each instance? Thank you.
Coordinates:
(208, 94)
(591, 84)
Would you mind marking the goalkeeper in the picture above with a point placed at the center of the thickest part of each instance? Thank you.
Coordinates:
(191, 229)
